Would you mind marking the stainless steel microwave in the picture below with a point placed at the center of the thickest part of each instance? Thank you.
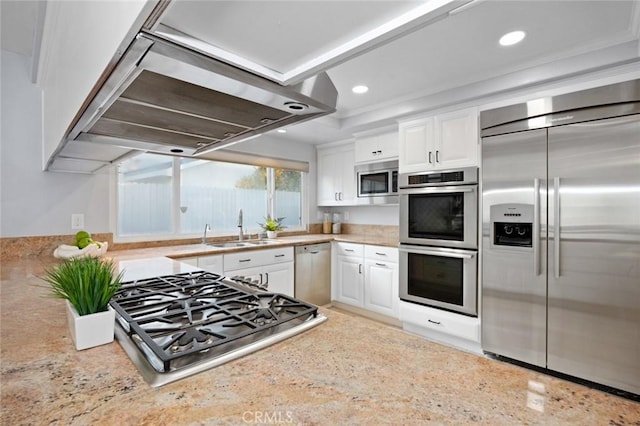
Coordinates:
(377, 183)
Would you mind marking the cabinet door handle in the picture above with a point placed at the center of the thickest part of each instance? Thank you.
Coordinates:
(430, 162)
(349, 250)
(373, 152)
(244, 260)
(260, 279)
(434, 322)
(267, 277)
(314, 252)
(340, 197)
(437, 156)
(360, 268)
(381, 264)
(381, 254)
(335, 196)
(279, 255)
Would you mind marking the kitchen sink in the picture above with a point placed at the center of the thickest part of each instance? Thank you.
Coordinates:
(230, 245)
(233, 244)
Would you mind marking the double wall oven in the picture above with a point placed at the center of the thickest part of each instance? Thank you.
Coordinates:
(439, 239)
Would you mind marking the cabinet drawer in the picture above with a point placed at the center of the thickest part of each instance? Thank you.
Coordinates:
(211, 263)
(442, 321)
(251, 258)
(193, 261)
(349, 249)
(381, 253)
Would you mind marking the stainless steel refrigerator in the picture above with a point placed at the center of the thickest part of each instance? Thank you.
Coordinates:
(561, 234)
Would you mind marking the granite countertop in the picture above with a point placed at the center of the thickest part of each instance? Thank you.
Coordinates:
(348, 370)
(190, 250)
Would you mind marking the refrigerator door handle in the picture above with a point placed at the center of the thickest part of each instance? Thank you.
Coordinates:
(536, 226)
(556, 227)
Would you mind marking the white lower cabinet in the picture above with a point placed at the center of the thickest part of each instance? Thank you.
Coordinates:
(206, 263)
(211, 263)
(273, 268)
(460, 331)
(193, 261)
(349, 280)
(366, 277)
(280, 277)
(381, 287)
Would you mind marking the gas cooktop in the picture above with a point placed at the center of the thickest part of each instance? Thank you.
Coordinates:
(178, 325)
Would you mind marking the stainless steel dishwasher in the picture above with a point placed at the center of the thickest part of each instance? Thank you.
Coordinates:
(313, 273)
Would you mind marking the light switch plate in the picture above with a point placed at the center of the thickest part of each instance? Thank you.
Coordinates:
(77, 221)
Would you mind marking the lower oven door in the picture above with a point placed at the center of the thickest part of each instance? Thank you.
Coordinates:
(439, 277)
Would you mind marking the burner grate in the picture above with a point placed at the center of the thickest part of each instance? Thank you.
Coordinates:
(190, 315)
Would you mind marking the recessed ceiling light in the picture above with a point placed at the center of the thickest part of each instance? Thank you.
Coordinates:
(282, 131)
(360, 89)
(512, 38)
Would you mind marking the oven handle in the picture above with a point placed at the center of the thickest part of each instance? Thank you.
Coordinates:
(437, 189)
(456, 254)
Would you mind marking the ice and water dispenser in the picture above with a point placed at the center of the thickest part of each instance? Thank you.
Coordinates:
(512, 225)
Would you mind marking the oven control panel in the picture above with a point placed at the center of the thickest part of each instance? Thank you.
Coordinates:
(512, 225)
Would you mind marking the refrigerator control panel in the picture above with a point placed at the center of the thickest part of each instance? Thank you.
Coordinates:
(512, 225)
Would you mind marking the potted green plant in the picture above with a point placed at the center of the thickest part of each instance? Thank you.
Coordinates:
(272, 226)
(87, 284)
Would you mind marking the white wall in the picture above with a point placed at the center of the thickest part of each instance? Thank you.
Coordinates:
(33, 202)
(367, 215)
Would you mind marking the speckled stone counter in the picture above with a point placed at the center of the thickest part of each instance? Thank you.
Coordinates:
(189, 250)
(349, 370)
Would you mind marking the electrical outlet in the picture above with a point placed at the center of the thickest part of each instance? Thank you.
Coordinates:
(77, 221)
(345, 216)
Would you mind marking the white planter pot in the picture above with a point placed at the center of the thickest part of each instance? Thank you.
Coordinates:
(91, 330)
(272, 234)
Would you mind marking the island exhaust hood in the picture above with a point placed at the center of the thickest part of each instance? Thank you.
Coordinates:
(162, 97)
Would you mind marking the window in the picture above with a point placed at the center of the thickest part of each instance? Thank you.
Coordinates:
(167, 197)
(145, 196)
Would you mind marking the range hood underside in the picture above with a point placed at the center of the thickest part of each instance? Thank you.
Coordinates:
(164, 98)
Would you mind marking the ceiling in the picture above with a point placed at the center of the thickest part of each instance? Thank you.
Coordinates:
(411, 54)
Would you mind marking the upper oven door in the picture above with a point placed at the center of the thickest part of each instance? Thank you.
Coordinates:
(444, 216)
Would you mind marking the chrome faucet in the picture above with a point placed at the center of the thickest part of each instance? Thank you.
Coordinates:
(240, 234)
(204, 237)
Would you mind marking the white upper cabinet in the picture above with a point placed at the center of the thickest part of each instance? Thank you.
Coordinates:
(371, 149)
(416, 142)
(439, 142)
(336, 176)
